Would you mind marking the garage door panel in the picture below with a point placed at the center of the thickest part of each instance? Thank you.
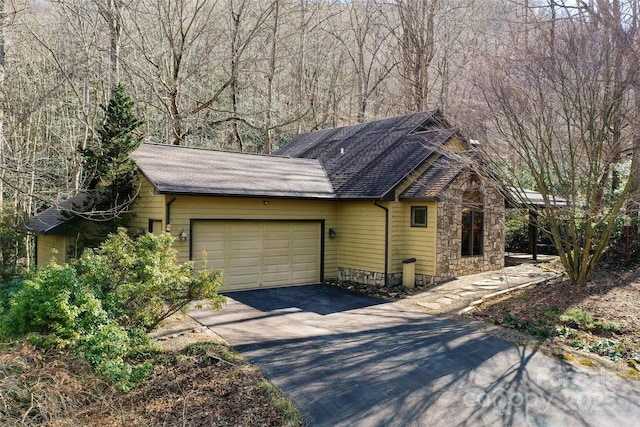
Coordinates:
(282, 260)
(243, 244)
(244, 262)
(212, 246)
(276, 227)
(276, 244)
(304, 258)
(213, 261)
(257, 254)
(303, 276)
(244, 281)
(305, 242)
(277, 277)
(243, 227)
(302, 227)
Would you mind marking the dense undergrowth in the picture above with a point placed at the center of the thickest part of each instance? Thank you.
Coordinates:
(100, 307)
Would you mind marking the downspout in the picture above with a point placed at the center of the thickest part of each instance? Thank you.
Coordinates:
(168, 212)
(386, 242)
(35, 252)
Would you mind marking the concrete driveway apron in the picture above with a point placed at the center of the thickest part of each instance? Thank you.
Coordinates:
(345, 359)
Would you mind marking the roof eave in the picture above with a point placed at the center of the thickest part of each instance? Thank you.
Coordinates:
(52, 229)
(181, 192)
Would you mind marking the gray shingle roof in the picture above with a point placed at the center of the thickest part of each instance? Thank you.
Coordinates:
(430, 185)
(369, 160)
(49, 220)
(183, 170)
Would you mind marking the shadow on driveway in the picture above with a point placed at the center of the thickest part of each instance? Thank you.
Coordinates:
(322, 299)
(369, 363)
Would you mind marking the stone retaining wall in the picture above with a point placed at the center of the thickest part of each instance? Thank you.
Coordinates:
(371, 278)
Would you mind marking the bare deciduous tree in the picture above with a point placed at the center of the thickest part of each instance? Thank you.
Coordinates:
(565, 108)
(176, 40)
(366, 42)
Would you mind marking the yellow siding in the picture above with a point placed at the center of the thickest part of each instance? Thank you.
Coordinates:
(360, 234)
(185, 208)
(148, 205)
(359, 226)
(420, 242)
(413, 242)
(398, 224)
(455, 145)
(51, 248)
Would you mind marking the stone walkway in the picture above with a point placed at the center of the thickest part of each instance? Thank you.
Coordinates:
(461, 293)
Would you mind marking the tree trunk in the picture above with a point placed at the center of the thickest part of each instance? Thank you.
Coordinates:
(270, 76)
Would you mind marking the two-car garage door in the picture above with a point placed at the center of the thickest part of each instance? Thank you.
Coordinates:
(255, 254)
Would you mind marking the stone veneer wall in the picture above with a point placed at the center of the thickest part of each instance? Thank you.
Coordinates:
(449, 259)
(371, 278)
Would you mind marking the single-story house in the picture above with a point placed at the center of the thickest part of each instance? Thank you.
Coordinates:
(350, 203)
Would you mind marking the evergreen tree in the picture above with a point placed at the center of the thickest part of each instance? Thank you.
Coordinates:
(108, 171)
(107, 163)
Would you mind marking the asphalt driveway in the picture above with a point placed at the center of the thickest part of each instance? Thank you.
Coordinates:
(345, 359)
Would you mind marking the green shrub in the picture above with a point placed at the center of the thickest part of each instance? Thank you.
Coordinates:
(607, 348)
(552, 311)
(110, 350)
(7, 291)
(101, 307)
(565, 332)
(579, 318)
(53, 300)
(141, 282)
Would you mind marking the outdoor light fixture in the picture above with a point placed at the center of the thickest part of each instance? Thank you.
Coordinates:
(332, 233)
(183, 235)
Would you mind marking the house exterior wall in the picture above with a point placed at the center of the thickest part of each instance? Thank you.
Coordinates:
(449, 259)
(51, 247)
(414, 242)
(186, 208)
(360, 235)
(148, 205)
(357, 252)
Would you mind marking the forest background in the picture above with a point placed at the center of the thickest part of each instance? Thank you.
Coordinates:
(248, 75)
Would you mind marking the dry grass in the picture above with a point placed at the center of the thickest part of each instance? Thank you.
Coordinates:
(205, 384)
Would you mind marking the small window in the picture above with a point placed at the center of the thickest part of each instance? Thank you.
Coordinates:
(418, 216)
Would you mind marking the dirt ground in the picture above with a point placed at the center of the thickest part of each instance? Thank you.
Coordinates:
(197, 381)
(597, 324)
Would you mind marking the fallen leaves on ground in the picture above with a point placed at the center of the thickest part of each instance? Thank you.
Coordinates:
(205, 384)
